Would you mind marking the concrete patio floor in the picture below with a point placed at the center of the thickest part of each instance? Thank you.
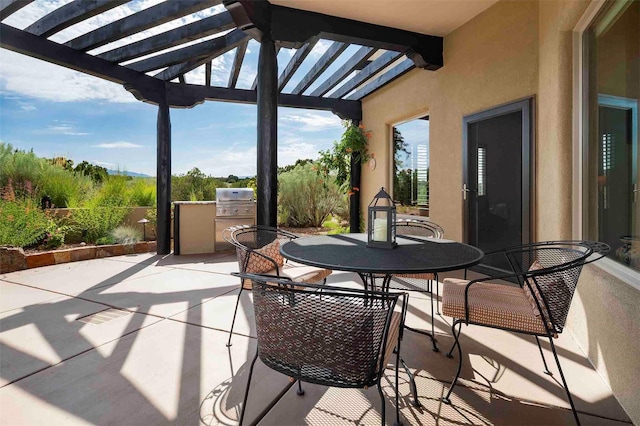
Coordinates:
(140, 339)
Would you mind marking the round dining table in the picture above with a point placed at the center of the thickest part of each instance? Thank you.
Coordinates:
(412, 255)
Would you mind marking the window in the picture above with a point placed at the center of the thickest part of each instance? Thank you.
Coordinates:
(611, 202)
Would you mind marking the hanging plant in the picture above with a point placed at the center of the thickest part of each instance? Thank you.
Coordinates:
(354, 143)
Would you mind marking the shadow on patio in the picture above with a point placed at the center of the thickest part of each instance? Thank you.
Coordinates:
(141, 340)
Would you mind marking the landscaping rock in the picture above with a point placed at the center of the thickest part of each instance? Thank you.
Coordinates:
(12, 259)
(37, 260)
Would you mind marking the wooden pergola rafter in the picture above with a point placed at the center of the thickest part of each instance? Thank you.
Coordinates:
(153, 69)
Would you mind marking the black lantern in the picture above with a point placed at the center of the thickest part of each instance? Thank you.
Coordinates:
(381, 227)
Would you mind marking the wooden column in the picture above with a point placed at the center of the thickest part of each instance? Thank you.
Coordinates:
(354, 182)
(267, 177)
(163, 180)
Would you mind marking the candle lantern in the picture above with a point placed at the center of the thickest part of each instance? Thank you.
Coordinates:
(381, 227)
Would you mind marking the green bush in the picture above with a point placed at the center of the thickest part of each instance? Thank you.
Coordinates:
(105, 241)
(142, 192)
(306, 198)
(126, 235)
(98, 221)
(23, 224)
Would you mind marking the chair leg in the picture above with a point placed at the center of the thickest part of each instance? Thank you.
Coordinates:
(437, 294)
(433, 333)
(544, 361)
(455, 342)
(446, 399)
(397, 422)
(246, 392)
(564, 382)
(381, 401)
(235, 312)
(300, 391)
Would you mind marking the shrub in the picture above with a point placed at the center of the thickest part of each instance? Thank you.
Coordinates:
(142, 192)
(56, 237)
(105, 241)
(97, 221)
(22, 223)
(126, 235)
(307, 198)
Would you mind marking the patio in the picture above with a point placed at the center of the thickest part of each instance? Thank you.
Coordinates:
(140, 339)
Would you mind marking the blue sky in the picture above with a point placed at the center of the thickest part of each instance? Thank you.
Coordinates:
(59, 112)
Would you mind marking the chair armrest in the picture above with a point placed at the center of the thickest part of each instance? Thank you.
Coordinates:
(480, 280)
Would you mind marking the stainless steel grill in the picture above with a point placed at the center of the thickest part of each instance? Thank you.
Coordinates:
(234, 206)
(233, 202)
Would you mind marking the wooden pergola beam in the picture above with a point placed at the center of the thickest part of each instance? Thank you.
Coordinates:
(70, 14)
(189, 95)
(366, 73)
(193, 31)
(319, 67)
(292, 27)
(347, 68)
(144, 87)
(140, 21)
(295, 62)
(9, 7)
(383, 80)
(237, 64)
(208, 52)
(204, 49)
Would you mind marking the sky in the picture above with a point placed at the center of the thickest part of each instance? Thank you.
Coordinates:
(60, 112)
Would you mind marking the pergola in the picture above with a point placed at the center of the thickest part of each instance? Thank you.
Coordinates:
(153, 69)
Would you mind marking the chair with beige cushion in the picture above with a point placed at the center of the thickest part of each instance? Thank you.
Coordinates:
(545, 276)
(258, 252)
(424, 282)
(339, 337)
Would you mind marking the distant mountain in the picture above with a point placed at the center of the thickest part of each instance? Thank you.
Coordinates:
(126, 173)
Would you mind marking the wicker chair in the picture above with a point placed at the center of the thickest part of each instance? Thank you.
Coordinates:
(337, 337)
(547, 275)
(419, 282)
(258, 252)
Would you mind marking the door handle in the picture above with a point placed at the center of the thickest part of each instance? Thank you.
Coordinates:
(635, 192)
(465, 191)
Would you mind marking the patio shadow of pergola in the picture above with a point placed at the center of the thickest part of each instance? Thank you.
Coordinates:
(144, 343)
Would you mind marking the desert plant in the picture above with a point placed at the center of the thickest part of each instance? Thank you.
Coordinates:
(126, 235)
(104, 241)
(142, 192)
(22, 223)
(307, 198)
(97, 221)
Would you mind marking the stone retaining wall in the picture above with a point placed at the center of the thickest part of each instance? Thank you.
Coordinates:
(14, 259)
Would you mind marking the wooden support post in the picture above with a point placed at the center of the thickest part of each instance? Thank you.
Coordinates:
(267, 206)
(354, 199)
(163, 180)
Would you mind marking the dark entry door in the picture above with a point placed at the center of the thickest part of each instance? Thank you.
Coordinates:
(496, 185)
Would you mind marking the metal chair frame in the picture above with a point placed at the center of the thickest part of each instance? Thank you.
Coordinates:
(269, 234)
(291, 293)
(430, 230)
(583, 252)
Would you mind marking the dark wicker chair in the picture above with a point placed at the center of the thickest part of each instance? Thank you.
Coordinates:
(419, 282)
(547, 274)
(258, 251)
(337, 337)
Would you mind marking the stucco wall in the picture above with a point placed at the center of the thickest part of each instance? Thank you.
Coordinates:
(511, 51)
(491, 60)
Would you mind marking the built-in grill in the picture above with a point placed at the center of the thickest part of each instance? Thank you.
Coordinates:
(234, 206)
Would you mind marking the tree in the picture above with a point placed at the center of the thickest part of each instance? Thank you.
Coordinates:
(97, 174)
(293, 166)
(401, 187)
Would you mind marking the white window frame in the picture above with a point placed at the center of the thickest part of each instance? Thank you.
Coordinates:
(580, 154)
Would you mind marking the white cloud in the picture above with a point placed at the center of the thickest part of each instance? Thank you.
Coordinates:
(310, 121)
(61, 128)
(112, 145)
(103, 164)
(28, 107)
(31, 77)
(319, 49)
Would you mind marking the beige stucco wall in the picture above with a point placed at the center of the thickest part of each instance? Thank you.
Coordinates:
(511, 51)
(491, 60)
